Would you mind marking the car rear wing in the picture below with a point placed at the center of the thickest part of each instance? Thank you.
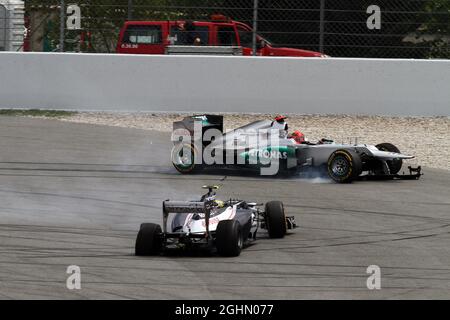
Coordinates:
(187, 207)
(207, 121)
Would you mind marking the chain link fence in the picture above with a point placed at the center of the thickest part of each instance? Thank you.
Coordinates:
(340, 28)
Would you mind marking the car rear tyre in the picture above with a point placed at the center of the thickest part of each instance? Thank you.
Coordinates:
(229, 238)
(183, 158)
(344, 166)
(394, 165)
(148, 241)
(275, 219)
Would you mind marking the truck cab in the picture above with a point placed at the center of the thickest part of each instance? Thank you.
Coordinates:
(153, 37)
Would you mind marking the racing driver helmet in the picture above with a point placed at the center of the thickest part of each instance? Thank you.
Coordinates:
(298, 137)
(219, 203)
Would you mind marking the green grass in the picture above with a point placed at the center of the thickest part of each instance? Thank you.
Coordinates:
(36, 113)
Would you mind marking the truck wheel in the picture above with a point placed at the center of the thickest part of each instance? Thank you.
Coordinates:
(148, 241)
(344, 166)
(229, 238)
(275, 219)
(394, 165)
(183, 158)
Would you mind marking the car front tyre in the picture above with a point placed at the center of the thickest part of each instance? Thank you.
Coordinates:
(394, 165)
(275, 219)
(344, 166)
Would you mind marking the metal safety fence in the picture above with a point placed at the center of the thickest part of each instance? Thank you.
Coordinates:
(339, 28)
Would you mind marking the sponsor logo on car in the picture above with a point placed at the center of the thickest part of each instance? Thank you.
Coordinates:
(268, 154)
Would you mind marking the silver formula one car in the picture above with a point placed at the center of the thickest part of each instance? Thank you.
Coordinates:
(250, 148)
(212, 224)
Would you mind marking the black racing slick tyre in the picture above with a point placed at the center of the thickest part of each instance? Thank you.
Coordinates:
(183, 158)
(275, 219)
(148, 241)
(344, 166)
(229, 238)
(394, 165)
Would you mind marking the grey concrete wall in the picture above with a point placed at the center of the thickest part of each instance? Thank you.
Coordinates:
(224, 84)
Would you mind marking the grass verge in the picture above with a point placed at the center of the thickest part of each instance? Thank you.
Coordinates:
(36, 113)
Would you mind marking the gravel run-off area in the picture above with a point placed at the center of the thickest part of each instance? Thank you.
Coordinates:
(428, 138)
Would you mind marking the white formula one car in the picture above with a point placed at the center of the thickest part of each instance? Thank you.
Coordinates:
(212, 224)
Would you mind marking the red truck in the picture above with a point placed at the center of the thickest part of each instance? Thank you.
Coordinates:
(153, 37)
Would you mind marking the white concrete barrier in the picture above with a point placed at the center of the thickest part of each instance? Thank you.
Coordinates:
(224, 84)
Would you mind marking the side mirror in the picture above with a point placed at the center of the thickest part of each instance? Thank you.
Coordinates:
(261, 44)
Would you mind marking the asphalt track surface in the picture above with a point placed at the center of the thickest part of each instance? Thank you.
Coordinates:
(75, 194)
